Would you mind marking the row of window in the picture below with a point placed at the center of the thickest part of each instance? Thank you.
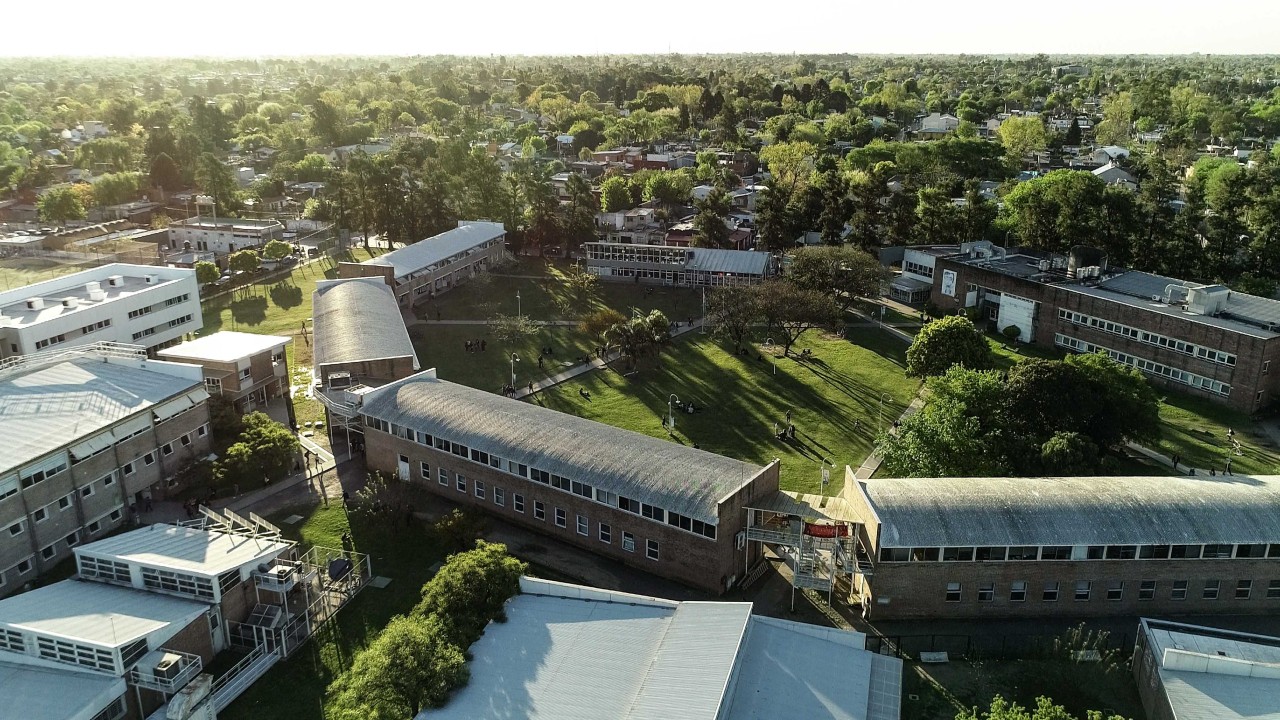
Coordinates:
(574, 487)
(582, 523)
(95, 327)
(1080, 552)
(916, 268)
(1150, 338)
(103, 568)
(148, 332)
(1148, 366)
(50, 551)
(1113, 590)
(39, 473)
(59, 338)
(176, 582)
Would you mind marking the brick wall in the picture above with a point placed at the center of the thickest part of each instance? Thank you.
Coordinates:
(682, 556)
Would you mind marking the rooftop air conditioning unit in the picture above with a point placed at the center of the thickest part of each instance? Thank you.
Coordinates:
(91, 287)
(151, 279)
(116, 281)
(70, 302)
(169, 667)
(35, 304)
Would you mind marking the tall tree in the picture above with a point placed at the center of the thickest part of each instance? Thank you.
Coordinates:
(733, 312)
(165, 173)
(952, 340)
(710, 224)
(843, 274)
(789, 311)
(1022, 136)
(60, 205)
(615, 194)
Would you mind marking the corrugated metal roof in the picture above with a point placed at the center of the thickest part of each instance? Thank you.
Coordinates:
(45, 693)
(412, 258)
(742, 262)
(578, 653)
(355, 320)
(96, 613)
(185, 549)
(56, 405)
(1228, 694)
(961, 512)
(672, 476)
(1143, 286)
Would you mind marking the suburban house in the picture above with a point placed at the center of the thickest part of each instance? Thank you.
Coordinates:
(637, 225)
(675, 265)
(245, 368)
(142, 305)
(937, 125)
(222, 235)
(418, 272)
(1112, 174)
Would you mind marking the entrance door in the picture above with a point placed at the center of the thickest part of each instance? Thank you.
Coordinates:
(402, 468)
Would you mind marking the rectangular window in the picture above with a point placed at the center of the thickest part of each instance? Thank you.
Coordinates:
(962, 554)
(1218, 551)
(462, 483)
(1055, 552)
(895, 554)
(40, 515)
(149, 459)
(167, 449)
(1084, 588)
(499, 497)
(562, 519)
(1179, 591)
(424, 471)
(955, 591)
(929, 554)
(1147, 590)
(443, 475)
(1244, 588)
(986, 592)
(17, 528)
(1210, 591)
(1273, 590)
(990, 553)
(1184, 552)
(1023, 552)
(480, 493)
(86, 491)
(651, 549)
(1115, 589)
(517, 502)
(1251, 551)
(1121, 552)
(539, 510)
(64, 502)
(584, 527)
(628, 542)
(24, 567)
(48, 552)
(606, 533)
(1018, 591)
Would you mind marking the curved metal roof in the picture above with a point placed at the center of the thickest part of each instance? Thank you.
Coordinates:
(962, 512)
(659, 472)
(357, 319)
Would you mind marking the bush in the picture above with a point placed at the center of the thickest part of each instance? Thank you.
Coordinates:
(1011, 332)
(458, 530)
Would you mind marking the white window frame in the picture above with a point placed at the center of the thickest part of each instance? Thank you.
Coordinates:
(539, 511)
(517, 502)
(479, 488)
(651, 550)
(583, 526)
(499, 496)
(443, 475)
(605, 534)
(562, 518)
(628, 542)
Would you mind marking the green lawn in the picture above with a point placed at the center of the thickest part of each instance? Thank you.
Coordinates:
(20, 271)
(834, 399)
(1196, 429)
(444, 347)
(294, 689)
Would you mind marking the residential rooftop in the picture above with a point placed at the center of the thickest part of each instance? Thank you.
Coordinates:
(208, 553)
(410, 259)
(44, 407)
(1150, 510)
(226, 346)
(83, 290)
(356, 320)
(1211, 674)
(585, 653)
(681, 479)
(96, 613)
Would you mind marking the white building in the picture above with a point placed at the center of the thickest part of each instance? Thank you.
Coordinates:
(134, 304)
(1188, 672)
(222, 235)
(585, 653)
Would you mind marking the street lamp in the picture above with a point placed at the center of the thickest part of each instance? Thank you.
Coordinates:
(768, 342)
(514, 359)
(826, 473)
(880, 412)
(519, 314)
(671, 412)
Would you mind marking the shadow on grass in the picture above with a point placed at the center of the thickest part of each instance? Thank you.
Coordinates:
(249, 310)
(286, 295)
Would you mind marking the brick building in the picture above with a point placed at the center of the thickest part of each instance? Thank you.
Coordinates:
(1085, 546)
(248, 369)
(656, 505)
(420, 271)
(89, 432)
(1203, 339)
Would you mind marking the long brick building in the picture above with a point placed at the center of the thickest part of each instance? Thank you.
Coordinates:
(1207, 340)
(660, 506)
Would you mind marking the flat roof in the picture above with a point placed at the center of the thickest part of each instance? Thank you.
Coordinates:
(96, 613)
(56, 405)
(186, 549)
(225, 346)
(964, 512)
(33, 692)
(571, 652)
(681, 479)
(424, 253)
(13, 303)
(209, 223)
(1211, 674)
(355, 320)
(1243, 313)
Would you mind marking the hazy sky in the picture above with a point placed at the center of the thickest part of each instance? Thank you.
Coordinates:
(258, 28)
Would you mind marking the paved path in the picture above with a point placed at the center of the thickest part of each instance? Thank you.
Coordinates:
(872, 463)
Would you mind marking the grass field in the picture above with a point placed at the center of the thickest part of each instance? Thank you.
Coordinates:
(1196, 430)
(16, 272)
(294, 689)
(444, 347)
(835, 400)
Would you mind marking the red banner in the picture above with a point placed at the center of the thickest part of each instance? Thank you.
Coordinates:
(826, 531)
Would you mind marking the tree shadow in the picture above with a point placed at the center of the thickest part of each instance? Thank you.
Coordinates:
(286, 295)
(249, 310)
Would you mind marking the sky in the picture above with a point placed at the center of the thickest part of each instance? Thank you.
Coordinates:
(273, 28)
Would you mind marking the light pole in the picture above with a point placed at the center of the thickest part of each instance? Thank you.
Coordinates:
(768, 342)
(519, 314)
(880, 412)
(671, 412)
(514, 359)
(826, 473)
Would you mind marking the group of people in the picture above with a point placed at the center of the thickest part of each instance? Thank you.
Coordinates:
(510, 390)
(476, 345)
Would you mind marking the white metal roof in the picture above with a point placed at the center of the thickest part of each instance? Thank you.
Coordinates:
(57, 405)
(681, 479)
(962, 512)
(1209, 674)
(186, 549)
(715, 260)
(225, 346)
(34, 692)
(570, 652)
(96, 613)
(412, 258)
